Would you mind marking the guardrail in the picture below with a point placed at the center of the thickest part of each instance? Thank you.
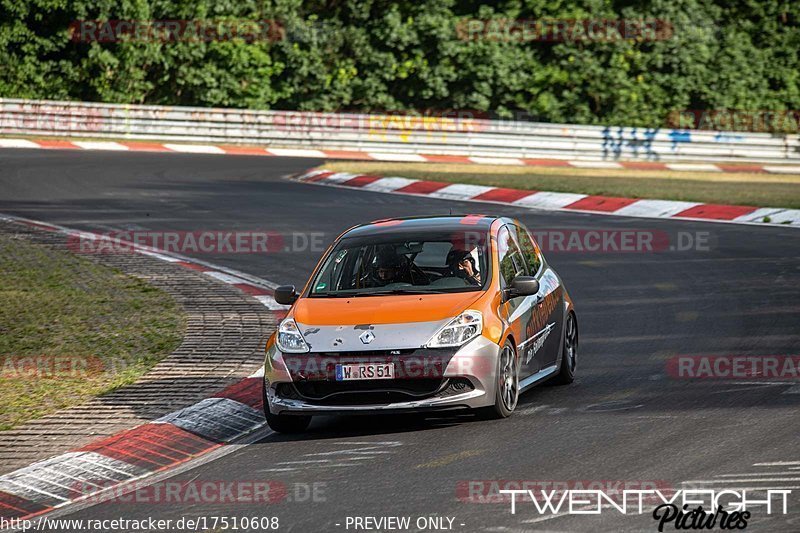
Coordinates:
(456, 135)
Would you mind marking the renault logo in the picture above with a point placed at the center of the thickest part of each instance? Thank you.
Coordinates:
(367, 337)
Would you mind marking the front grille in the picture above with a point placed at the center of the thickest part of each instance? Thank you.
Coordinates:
(368, 391)
(372, 392)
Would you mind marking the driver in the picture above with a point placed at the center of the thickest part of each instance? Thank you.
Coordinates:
(462, 265)
(388, 267)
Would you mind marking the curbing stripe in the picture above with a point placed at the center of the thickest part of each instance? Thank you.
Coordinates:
(193, 266)
(361, 181)
(152, 446)
(162, 257)
(57, 145)
(63, 478)
(549, 200)
(244, 150)
(146, 147)
(287, 152)
(100, 466)
(389, 184)
(759, 214)
(195, 148)
(357, 154)
(696, 167)
(248, 391)
(595, 164)
(224, 278)
(383, 156)
(558, 201)
(422, 187)
(30, 494)
(101, 145)
(18, 143)
(319, 177)
(458, 191)
(13, 506)
(776, 216)
(655, 208)
(547, 162)
(727, 167)
(216, 419)
(503, 195)
(496, 161)
(348, 154)
(606, 204)
(252, 290)
(782, 169)
(340, 177)
(716, 211)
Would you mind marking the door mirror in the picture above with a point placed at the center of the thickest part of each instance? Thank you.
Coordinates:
(286, 295)
(521, 286)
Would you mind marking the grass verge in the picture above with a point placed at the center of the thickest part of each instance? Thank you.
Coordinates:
(71, 329)
(756, 189)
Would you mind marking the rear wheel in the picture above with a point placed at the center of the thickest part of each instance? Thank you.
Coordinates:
(569, 352)
(284, 423)
(507, 390)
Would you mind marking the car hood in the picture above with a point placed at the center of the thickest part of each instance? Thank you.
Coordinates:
(394, 322)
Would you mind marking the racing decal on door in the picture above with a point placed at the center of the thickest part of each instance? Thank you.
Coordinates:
(538, 341)
(550, 290)
(544, 317)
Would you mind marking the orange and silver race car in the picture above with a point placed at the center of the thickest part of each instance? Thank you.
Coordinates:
(418, 314)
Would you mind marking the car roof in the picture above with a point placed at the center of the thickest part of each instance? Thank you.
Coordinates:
(421, 224)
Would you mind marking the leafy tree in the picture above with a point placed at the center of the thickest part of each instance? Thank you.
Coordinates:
(374, 55)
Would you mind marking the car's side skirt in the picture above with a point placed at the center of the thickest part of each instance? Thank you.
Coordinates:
(537, 377)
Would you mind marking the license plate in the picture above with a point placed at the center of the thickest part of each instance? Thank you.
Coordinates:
(365, 371)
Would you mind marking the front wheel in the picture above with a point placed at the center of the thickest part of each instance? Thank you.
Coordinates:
(569, 352)
(507, 389)
(283, 423)
(288, 423)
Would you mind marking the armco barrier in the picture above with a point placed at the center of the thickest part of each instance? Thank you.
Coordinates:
(454, 134)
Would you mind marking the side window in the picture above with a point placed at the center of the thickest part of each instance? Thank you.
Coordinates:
(510, 257)
(529, 251)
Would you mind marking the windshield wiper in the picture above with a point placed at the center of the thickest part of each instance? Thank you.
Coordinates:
(349, 294)
(403, 291)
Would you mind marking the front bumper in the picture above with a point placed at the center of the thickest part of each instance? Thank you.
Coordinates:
(467, 380)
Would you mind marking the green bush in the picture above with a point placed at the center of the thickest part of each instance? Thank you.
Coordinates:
(388, 56)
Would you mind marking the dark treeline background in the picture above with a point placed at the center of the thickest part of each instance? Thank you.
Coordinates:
(390, 56)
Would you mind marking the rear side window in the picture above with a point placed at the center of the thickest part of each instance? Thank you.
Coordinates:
(529, 251)
(512, 263)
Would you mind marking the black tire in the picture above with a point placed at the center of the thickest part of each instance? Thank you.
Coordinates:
(505, 399)
(288, 423)
(569, 352)
(284, 423)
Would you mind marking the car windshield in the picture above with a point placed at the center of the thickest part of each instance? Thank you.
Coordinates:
(434, 262)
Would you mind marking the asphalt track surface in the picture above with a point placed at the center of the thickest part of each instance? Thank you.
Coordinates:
(623, 419)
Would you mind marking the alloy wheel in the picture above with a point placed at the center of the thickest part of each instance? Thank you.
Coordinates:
(571, 344)
(509, 379)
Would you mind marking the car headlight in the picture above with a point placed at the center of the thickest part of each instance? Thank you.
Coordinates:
(461, 329)
(289, 338)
